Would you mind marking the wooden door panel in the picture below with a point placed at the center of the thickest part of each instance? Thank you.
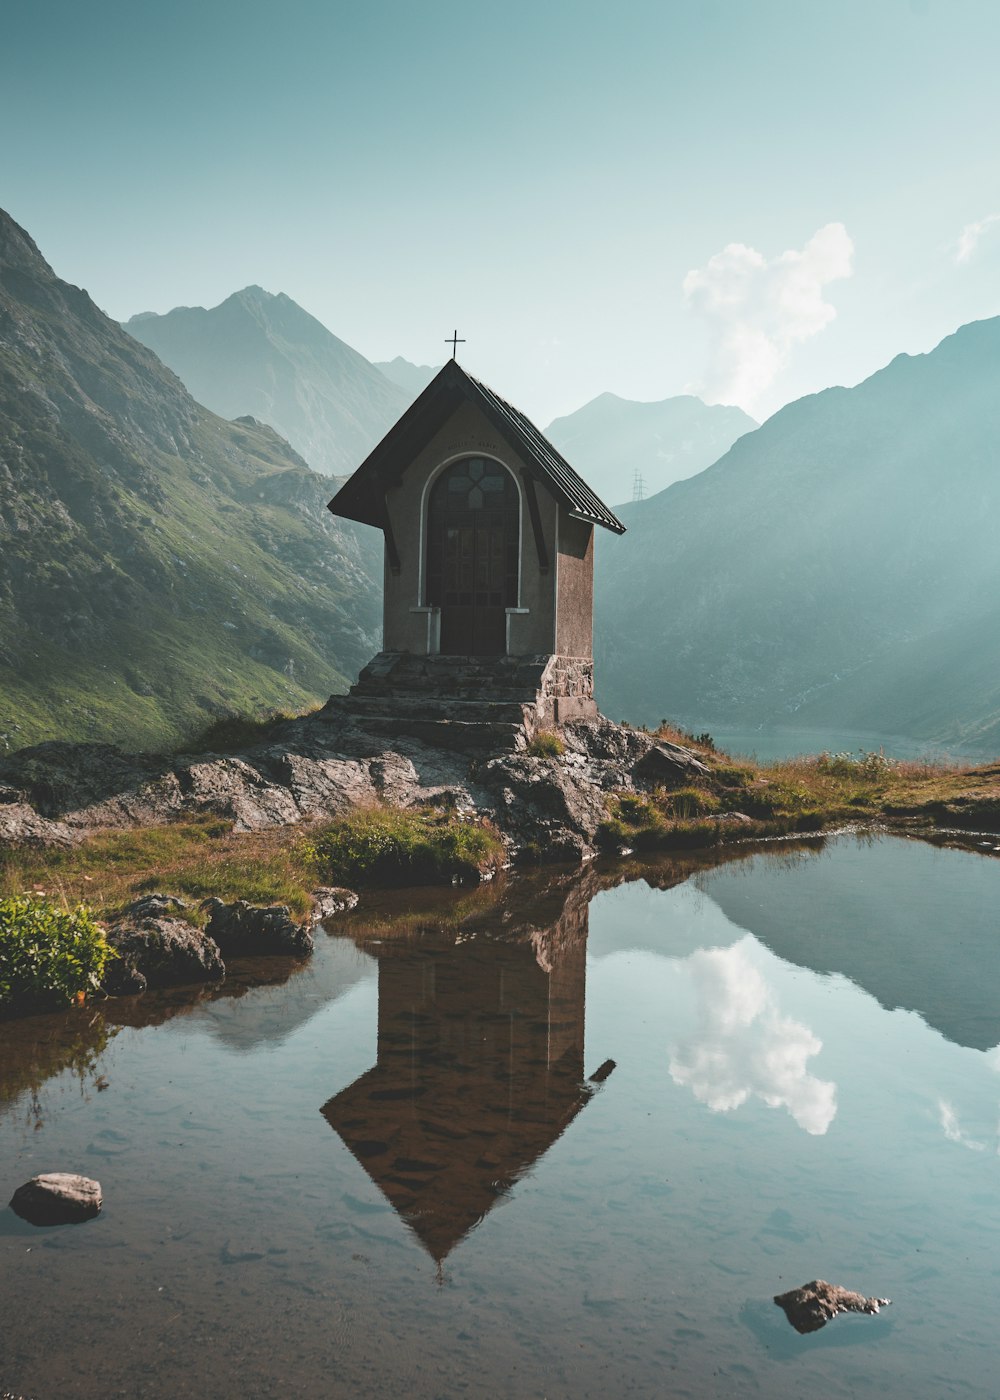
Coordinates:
(472, 556)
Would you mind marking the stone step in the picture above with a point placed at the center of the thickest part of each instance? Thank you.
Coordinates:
(452, 675)
(465, 694)
(429, 707)
(450, 733)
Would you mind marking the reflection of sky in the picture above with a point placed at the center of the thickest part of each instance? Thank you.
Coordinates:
(743, 1047)
(739, 1024)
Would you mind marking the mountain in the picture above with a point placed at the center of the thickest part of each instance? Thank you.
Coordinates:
(837, 567)
(158, 564)
(261, 354)
(610, 439)
(411, 378)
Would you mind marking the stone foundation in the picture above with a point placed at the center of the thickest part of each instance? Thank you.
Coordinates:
(495, 702)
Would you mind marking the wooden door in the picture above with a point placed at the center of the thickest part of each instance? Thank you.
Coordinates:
(472, 555)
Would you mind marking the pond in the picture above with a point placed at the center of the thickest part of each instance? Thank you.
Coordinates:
(563, 1139)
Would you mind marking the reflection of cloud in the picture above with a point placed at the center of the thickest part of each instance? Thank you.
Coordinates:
(952, 1131)
(760, 309)
(968, 240)
(744, 1046)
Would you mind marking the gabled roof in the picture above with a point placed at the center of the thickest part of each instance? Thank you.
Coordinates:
(362, 497)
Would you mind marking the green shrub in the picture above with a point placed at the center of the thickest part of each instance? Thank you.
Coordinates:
(233, 733)
(48, 956)
(692, 802)
(384, 846)
(546, 744)
(636, 811)
(864, 764)
(733, 775)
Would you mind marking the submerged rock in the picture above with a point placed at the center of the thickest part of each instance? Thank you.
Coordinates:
(246, 930)
(815, 1304)
(155, 950)
(57, 1198)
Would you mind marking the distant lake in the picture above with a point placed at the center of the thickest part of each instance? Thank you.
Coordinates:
(564, 1139)
(787, 742)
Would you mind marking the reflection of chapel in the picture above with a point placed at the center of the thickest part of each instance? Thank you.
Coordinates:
(480, 1069)
(489, 552)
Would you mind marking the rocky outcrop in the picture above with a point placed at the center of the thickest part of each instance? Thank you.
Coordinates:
(156, 949)
(815, 1304)
(250, 930)
(57, 1198)
(323, 764)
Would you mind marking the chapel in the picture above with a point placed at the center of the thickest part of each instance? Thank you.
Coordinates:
(488, 558)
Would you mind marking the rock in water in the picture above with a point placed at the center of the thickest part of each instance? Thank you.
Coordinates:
(246, 930)
(815, 1304)
(57, 1198)
(331, 899)
(158, 951)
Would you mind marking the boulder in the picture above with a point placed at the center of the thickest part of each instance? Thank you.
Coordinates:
(156, 950)
(248, 930)
(57, 1198)
(815, 1304)
(667, 765)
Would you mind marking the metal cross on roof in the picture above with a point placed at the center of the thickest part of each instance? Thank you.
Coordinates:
(454, 341)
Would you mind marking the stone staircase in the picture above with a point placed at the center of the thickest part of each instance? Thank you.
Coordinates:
(496, 703)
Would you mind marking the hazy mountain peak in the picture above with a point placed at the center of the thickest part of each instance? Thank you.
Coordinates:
(260, 353)
(411, 378)
(610, 439)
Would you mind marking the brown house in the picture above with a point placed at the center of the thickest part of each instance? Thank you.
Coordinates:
(489, 537)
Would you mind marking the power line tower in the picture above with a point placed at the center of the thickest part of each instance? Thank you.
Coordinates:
(638, 486)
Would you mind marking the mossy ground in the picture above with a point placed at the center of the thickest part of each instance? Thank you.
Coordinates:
(202, 857)
(804, 794)
(735, 801)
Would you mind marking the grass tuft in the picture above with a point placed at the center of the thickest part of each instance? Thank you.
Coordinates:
(546, 744)
(386, 846)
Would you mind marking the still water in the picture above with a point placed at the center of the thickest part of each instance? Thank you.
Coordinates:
(563, 1139)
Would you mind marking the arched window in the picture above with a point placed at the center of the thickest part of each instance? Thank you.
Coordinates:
(473, 541)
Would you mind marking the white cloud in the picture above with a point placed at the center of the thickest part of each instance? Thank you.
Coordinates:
(760, 309)
(968, 240)
(744, 1047)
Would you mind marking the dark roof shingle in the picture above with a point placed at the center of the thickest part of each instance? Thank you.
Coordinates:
(362, 497)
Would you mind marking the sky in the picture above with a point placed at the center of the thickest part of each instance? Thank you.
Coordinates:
(745, 199)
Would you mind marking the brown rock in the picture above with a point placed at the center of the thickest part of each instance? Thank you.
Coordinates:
(57, 1198)
(815, 1304)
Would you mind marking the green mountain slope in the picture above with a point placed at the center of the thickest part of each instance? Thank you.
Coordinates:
(261, 354)
(157, 564)
(610, 439)
(839, 567)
